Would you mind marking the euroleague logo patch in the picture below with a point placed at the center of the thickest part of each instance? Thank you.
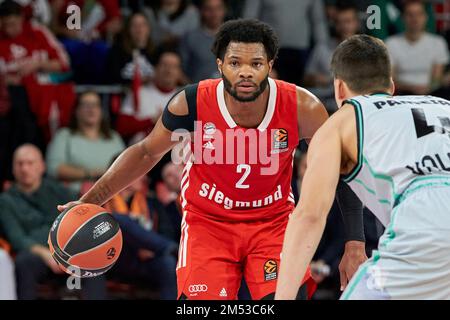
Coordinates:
(280, 140)
(270, 270)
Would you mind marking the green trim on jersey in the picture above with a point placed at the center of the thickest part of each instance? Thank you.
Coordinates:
(371, 191)
(360, 132)
(410, 190)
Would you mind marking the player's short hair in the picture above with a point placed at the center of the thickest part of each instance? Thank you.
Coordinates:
(10, 8)
(363, 63)
(246, 31)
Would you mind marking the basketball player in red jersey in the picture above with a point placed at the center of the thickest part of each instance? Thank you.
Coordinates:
(236, 185)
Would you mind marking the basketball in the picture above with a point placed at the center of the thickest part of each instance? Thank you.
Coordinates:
(85, 240)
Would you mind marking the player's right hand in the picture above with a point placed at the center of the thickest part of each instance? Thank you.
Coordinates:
(68, 205)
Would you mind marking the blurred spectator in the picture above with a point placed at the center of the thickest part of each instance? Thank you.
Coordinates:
(391, 16)
(418, 57)
(143, 106)
(7, 277)
(27, 212)
(88, 46)
(318, 77)
(295, 22)
(38, 10)
(31, 59)
(169, 193)
(5, 152)
(81, 153)
(132, 52)
(99, 19)
(148, 253)
(198, 61)
(174, 18)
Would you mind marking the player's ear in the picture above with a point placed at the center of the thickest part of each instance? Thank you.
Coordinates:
(271, 62)
(392, 87)
(339, 88)
(219, 65)
(339, 91)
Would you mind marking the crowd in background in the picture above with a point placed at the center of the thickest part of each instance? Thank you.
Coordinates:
(71, 99)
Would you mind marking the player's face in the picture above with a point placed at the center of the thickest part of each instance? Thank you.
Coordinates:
(12, 25)
(245, 70)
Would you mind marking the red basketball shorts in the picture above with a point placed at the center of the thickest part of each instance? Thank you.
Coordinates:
(215, 255)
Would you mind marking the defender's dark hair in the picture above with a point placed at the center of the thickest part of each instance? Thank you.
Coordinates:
(363, 63)
(246, 31)
(10, 8)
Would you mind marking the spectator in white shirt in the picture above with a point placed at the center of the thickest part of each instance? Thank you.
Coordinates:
(135, 122)
(418, 57)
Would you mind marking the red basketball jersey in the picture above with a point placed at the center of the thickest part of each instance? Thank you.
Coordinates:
(239, 174)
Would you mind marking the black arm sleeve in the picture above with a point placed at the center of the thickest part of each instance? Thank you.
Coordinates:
(173, 122)
(352, 212)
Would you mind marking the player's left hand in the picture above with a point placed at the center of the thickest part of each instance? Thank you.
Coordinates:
(354, 256)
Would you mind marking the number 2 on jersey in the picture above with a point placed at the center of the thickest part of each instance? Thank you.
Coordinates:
(246, 169)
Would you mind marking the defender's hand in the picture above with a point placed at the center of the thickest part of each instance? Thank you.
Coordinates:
(354, 256)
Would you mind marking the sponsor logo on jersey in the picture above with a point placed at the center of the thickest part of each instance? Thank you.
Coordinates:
(209, 129)
(270, 270)
(195, 289)
(223, 293)
(213, 194)
(208, 145)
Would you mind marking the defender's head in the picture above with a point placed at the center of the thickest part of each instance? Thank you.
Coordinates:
(361, 65)
(245, 51)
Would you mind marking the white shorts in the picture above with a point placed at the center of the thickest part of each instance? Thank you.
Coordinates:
(413, 256)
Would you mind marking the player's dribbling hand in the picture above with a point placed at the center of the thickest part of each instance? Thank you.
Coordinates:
(354, 256)
(68, 205)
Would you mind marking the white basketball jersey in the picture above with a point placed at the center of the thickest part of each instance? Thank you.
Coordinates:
(403, 145)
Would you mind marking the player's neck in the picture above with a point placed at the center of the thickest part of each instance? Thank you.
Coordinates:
(247, 114)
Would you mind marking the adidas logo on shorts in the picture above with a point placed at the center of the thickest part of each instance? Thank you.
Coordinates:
(223, 293)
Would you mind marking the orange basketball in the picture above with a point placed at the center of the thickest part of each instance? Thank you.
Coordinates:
(85, 240)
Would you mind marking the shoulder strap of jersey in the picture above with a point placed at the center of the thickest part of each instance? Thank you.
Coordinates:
(173, 122)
